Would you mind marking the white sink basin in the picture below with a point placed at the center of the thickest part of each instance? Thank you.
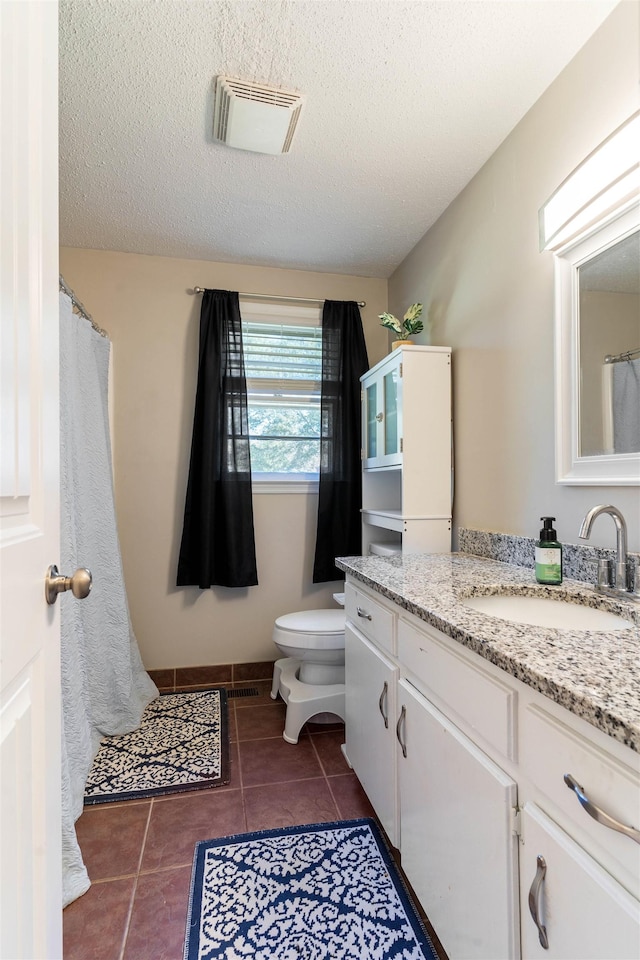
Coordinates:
(543, 612)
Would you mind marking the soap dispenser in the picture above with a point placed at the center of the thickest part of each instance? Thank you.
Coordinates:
(548, 554)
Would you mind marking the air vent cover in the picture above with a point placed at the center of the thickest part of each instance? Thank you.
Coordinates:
(253, 116)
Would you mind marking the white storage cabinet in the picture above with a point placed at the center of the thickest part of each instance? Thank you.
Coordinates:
(407, 450)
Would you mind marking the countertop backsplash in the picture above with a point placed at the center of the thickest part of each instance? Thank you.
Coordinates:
(579, 561)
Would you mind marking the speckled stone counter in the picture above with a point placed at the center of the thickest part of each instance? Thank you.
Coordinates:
(595, 674)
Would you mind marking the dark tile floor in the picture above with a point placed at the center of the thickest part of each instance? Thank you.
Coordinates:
(139, 853)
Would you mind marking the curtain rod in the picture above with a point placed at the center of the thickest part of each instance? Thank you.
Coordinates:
(83, 312)
(621, 356)
(273, 296)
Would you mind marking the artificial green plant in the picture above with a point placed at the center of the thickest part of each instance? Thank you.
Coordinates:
(410, 323)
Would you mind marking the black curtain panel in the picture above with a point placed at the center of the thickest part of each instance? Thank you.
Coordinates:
(218, 546)
(344, 361)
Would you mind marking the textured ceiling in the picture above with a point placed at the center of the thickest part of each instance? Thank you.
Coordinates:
(616, 270)
(404, 103)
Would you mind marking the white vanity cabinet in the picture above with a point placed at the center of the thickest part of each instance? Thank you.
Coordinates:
(407, 450)
(478, 764)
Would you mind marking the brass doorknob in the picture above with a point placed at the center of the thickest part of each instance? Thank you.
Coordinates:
(55, 583)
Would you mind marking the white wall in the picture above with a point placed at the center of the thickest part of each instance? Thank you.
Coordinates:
(489, 294)
(144, 305)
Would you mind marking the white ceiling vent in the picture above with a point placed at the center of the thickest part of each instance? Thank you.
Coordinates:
(252, 116)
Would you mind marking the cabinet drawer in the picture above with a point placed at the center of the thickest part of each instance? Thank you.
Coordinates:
(370, 617)
(485, 703)
(551, 749)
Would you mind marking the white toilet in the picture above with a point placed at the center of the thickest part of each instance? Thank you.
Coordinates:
(310, 677)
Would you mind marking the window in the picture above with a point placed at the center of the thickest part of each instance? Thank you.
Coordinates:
(283, 366)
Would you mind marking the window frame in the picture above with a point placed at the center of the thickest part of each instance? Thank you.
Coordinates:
(263, 311)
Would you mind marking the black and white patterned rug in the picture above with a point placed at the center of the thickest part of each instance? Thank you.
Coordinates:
(328, 891)
(182, 743)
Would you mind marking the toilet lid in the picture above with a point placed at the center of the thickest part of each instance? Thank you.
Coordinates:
(313, 621)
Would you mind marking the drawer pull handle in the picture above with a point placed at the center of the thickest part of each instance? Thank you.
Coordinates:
(399, 725)
(362, 613)
(598, 814)
(534, 899)
(382, 704)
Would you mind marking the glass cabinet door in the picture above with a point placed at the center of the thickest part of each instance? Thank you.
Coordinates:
(391, 412)
(382, 417)
(372, 423)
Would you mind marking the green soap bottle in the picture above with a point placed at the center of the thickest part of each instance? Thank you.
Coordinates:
(548, 554)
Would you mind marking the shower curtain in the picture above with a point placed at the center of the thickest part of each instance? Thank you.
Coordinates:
(621, 402)
(104, 685)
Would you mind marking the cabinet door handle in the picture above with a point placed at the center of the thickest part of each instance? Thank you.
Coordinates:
(379, 417)
(362, 613)
(534, 900)
(382, 704)
(598, 814)
(399, 725)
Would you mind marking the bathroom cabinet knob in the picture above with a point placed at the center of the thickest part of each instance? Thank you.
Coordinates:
(55, 582)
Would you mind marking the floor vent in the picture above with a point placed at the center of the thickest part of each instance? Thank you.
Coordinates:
(243, 692)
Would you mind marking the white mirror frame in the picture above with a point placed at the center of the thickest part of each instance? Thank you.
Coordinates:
(571, 468)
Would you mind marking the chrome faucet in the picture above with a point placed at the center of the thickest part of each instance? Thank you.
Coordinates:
(621, 582)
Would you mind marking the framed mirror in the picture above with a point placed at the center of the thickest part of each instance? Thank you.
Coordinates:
(592, 223)
(597, 329)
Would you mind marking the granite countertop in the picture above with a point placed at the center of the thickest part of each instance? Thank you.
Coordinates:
(595, 674)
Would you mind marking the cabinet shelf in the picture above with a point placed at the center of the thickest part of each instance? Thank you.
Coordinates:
(399, 515)
(394, 519)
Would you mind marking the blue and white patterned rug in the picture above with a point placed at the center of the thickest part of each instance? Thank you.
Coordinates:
(182, 743)
(328, 891)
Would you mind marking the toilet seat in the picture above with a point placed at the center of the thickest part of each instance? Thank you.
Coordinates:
(312, 629)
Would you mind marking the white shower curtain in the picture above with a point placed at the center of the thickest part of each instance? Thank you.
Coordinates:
(621, 406)
(626, 406)
(104, 685)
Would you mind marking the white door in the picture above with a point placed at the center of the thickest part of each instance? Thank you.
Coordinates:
(458, 847)
(370, 710)
(30, 871)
